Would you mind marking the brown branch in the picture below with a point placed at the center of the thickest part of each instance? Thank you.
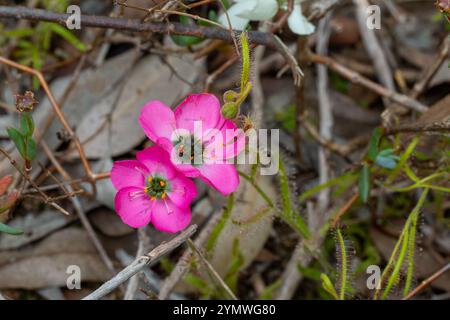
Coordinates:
(57, 110)
(369, 84)
(135, 25)
(425, 79)
(44, 197)
(213, 273)
(428, 281)
(438, 127)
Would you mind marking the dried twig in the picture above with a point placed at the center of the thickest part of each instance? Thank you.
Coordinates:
(428, 281)
(421, 85)
(256, 37)
(214, 275)
(369, 84)
(441, 126)
(135, 25)
(134, 281)
(373, 47)
(181, 268)
(80, 211)
(140, 263)
(325, 114)
(48, 200)
(91, 176)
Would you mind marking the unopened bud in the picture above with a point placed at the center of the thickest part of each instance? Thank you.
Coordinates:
(230, 96)
(230, 110)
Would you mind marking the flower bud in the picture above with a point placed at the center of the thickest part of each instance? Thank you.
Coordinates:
(230, 96)
(230, 110)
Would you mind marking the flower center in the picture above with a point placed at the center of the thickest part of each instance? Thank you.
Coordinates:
(189, 150)
(156, 188)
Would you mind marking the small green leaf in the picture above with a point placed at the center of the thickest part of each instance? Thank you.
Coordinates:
(26, 124)
(10, 230)
(18, 140)
(328, 286)
(31, 149)
(19, 33)
(373, 144)
(364, 183)
(386, 162)
(186, 41)
(69, 36)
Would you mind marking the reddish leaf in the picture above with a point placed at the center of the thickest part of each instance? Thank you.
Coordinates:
(4, 183)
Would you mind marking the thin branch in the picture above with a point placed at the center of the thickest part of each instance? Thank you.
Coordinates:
(428, 281)
(80, 211)
(45, 198)
(325, 113)
(373, 47)
(135, 25)
(182, 267)
(140, 263)
(421, 85)
(56, 108)
(369, 84)
(211, 270)
(439, 126)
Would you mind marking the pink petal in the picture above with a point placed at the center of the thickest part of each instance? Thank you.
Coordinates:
(198, 107)
(187, 169)
(128, 173)
(133, 206)
(182, 191)
(229, 145)
(167, 217)
(157, 161)
(223, 177)
(157, 120)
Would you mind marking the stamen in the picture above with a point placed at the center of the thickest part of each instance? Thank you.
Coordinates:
(163, 196)
(140, 171)
(149, 179)
(169, 211)
(162, 183)
(136, 194)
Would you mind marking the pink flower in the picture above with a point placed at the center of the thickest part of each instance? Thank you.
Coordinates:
(201, 142)
(150, 189)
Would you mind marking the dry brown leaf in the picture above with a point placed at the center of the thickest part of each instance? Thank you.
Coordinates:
(150, 79)
(44, 265)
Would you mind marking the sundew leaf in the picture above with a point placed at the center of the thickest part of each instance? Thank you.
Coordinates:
(341, 180)
(288, 214)
(401, 249)
(343, 263)
(221, 224)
